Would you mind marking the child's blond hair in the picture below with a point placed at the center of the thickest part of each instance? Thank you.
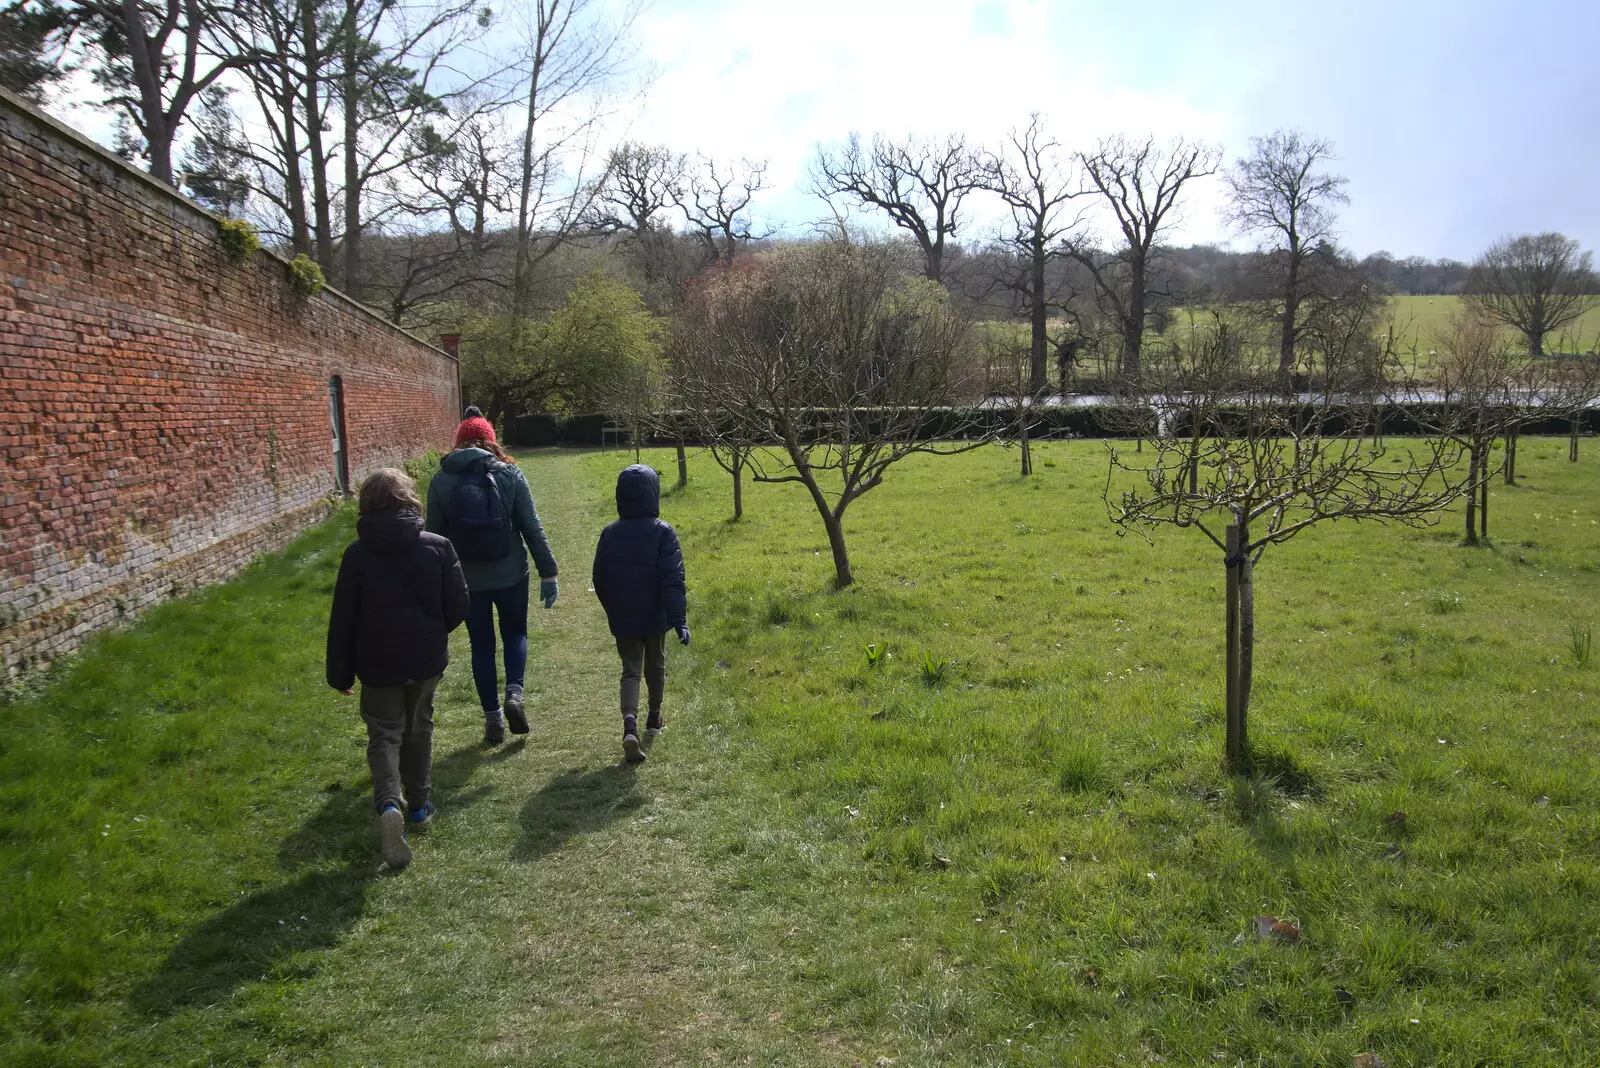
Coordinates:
(388, 487)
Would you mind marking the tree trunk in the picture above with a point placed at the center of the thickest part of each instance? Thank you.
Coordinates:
(1022, 436)
(1247, 638)
(683, 465)
(1572, 442)
(352, 166)
(1291, 308)
(841, 556)
(1512, 437)
(321, 205)
(294, 189)
(1483, 503)
(738, 486)
(1472, 495)
(933, 267)
(1234, 745)
(1038, 320)
(1133, 325)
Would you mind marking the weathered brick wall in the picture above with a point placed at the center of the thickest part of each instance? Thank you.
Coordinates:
(164, 413)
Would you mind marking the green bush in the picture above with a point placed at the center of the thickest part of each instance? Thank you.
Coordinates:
(239, 239)
(306, 276)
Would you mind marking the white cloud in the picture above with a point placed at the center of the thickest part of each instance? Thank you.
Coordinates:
(771, 80)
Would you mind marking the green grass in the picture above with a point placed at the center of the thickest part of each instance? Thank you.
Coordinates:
(1027, 855)
(1426, 322)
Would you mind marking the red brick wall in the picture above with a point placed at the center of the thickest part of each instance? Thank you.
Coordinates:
(163, 412)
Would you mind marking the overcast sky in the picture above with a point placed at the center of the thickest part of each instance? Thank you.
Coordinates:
(1455, 122)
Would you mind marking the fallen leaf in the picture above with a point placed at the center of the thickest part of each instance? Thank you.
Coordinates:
(884, 1062)
(1394, 818)
(1393, 852)
(943, 860)
(1278, 930)
(1369, 1060)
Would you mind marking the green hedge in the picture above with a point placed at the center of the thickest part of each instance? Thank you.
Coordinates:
(1073, 421)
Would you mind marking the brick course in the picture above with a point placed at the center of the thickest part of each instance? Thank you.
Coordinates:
(164, 413)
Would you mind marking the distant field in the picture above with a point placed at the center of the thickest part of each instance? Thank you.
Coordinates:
(1425, 319)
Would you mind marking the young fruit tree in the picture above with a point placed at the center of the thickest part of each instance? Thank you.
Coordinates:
(1262, 468)
(1475, 380)
(821, 364)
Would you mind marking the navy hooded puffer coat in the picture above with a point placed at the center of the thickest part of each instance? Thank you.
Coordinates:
(638, 565)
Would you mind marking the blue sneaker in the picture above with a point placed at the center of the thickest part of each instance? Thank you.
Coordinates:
(392, 835)
(423, 814)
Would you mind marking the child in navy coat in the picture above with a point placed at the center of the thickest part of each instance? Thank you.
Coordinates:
(638, 576)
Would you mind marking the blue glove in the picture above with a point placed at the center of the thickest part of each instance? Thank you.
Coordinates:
(548, 591)
(683, 634)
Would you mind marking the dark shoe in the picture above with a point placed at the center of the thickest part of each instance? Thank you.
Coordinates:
(392, 834)
(655, 724)
(632, 750)
(422, 815)
(513, 709)
(494, 731)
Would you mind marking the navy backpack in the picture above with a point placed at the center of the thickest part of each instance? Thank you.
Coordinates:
(480, 524)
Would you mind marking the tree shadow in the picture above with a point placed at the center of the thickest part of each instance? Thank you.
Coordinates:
(574, 803)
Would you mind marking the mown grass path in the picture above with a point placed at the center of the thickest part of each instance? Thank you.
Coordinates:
(189, 842)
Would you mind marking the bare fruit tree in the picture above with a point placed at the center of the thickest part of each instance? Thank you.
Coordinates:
(1574, 395)
(919, 184)
(1535, 284)
(1280, 193)
(1260, 470)
(1029, 177)
(822, 365)
(1474, 381)
(1140, 183)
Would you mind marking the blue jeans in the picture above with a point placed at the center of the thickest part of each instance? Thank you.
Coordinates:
(512, 604)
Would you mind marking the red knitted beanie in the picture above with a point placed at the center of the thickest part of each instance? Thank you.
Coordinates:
(474, 428)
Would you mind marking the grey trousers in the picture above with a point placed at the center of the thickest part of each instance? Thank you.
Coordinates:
(646, 657)
(399, 740)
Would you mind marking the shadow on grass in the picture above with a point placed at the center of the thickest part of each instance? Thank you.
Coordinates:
(259, 938)
(573, 803)
(343, 828)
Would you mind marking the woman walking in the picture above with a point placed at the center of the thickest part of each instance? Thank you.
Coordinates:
(481, 502)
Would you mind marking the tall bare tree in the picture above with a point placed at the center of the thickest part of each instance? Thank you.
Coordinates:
(918, 183)
(1140, 182)
(831, 356)
(643, 186)
(1258, 472)
(1535, 284)
(716, 203)
(399, 76)
(1029, 177)
(1280, 193)
(571, 50)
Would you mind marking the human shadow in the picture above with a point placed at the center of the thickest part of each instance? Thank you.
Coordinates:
(574, 803)
(260, 937)
(343, 830)
(264, 935)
